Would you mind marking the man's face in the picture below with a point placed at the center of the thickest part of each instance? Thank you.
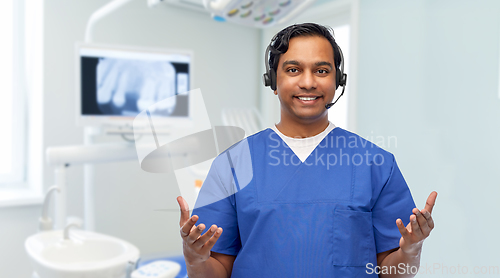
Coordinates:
(305, 80)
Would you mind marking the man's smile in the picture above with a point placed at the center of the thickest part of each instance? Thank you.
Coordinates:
(308, 99)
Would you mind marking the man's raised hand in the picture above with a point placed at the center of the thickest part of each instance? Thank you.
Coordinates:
(196, 247)
(419, 228)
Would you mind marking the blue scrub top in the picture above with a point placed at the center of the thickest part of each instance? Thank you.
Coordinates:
(328, 216)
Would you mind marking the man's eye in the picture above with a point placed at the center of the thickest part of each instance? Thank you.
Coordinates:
(293, 70)
(322, 71)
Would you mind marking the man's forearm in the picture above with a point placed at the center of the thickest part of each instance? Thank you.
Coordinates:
(400, 264)
(211, 268)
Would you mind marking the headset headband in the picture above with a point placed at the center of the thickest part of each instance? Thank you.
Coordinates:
(269, 78)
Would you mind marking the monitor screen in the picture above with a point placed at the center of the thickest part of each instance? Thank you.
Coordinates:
(116, 83)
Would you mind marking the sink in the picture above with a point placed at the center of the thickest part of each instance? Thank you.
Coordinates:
(84, 254)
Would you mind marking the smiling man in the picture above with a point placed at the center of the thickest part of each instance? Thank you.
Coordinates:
(304, 198)
(305, 84)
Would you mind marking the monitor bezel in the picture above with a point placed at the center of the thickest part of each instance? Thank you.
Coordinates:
(125, 122)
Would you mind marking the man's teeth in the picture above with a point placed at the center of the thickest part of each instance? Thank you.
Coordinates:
(307, 98)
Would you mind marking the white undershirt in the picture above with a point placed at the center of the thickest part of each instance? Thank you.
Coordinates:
(303, 147)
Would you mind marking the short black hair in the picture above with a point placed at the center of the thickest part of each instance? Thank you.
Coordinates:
(279, 43)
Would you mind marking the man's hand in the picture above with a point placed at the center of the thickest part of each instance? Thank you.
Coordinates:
(196, 247)
(419, 228)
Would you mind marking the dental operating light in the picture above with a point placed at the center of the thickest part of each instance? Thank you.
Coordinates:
(256, 13)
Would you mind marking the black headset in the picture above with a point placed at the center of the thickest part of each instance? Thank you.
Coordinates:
(269, 78)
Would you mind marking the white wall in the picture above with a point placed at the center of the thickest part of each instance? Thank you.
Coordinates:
(225, 69)
(428, 74)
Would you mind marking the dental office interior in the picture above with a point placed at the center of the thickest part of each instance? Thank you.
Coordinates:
(423, 83)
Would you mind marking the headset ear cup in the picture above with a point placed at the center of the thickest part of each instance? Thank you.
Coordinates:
(266, 80)
(273, 79)
(343, 82)
(338, 78)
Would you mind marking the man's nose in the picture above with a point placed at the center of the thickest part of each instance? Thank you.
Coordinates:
(307, 80)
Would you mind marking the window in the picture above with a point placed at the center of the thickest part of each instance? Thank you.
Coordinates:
(21, 79)
(12, 124)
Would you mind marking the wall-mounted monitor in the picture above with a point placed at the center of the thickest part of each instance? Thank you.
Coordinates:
(116, 83)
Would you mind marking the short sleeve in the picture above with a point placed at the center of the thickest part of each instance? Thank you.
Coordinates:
(216, 205)
(395, 201)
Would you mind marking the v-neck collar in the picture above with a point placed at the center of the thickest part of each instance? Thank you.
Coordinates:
(303, 147)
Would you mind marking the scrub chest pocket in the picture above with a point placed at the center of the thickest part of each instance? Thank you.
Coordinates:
(353, 239)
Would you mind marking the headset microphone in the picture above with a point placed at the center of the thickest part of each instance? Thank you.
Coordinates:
(344, 78)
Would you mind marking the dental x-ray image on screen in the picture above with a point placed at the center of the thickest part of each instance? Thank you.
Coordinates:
(119, 83)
